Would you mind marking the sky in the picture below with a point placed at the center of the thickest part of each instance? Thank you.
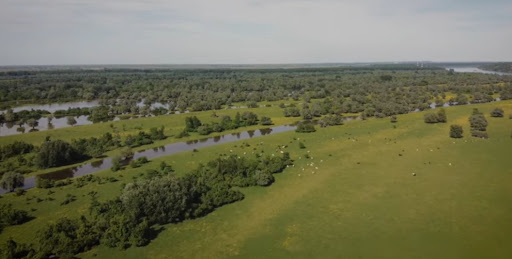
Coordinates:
(61, 32)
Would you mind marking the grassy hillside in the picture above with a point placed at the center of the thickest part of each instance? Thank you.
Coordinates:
(359, 199)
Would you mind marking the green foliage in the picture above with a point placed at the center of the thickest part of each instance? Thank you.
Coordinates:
(10, 250)
(331, 120)
(478, 124)
(291, 112)
(441, 116)
(116, 163)
(301, 145)
(386, 78)
(67, 237)
(305, 127)
(139, 162)
(71, 120)
(100, 114)
(57, 153)
(393, 119)
(252, 104)
(192, 123)
(69, 199)
(11, 181)
(266, 121)
(10, 216)
(497, 112)
(95, 147)
(15, 149)
(456, 131)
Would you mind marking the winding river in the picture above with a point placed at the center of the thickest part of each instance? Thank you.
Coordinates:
(168, 149)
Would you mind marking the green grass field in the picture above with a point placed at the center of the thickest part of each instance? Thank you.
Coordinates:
(359, 199)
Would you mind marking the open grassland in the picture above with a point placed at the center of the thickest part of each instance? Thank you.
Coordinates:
(359, 199)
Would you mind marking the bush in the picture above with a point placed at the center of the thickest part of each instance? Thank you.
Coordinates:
(116, 164)
(265, 121)
(479, 134)
(10, 216)
(393, 119)
(441, 115)
(11, 181)
(69, 199)
(252, 104)
(301, 145)
(139, 162)
(430, 118)
(498, 113)
(305, 127)
(478, 122)
(456, 131)
(44, 183)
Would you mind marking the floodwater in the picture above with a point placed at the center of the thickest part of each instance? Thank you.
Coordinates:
(168, 149)
(56, 106)
(475, 70)
(10, 128)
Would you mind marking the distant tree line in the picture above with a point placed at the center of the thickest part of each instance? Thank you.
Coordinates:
(373, 90)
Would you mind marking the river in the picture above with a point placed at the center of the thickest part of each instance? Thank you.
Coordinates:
(89, 168)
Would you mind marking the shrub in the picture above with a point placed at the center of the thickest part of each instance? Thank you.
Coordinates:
(441, 115)
(456, 131)
(498, 113)
(393, 119)
(265, 121)
(301, 145)
(10, 216)
(116, 163)
(478, 122)
(479, 134)
(11, 181)
(44, 183)
(305, 127)
(430, 118)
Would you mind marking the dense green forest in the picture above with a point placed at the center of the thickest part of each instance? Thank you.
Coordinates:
(375, 89)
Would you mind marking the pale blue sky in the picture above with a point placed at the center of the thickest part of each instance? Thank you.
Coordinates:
(39, 32)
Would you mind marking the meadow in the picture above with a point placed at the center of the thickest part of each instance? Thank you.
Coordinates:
(365, 189)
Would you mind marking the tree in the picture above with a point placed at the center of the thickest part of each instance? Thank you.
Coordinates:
(498, 113)
(461, 99)
(456, 131)
(306, 114)
(441, 115)
(71, 120)
(11, 181)
(32, 123)
(430, 118)
(57, 153)
(265, 121)
(252, 104)
(304, 127)
(116, 164)
(478, 122)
